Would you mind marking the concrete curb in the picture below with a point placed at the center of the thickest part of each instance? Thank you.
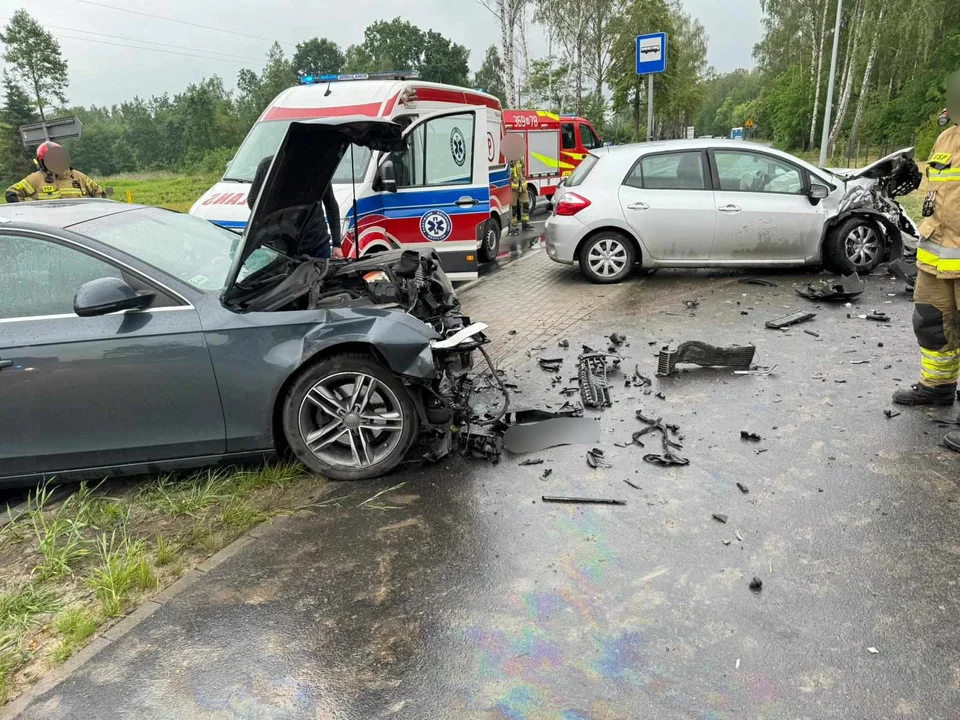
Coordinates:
(137, 616)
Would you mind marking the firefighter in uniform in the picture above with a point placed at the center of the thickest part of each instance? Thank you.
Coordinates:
(521, 197)
(937, 292)
(54, 179)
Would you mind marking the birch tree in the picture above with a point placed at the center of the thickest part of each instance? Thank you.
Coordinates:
(818, 78)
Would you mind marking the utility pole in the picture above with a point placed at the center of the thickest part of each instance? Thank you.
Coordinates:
(828, 106)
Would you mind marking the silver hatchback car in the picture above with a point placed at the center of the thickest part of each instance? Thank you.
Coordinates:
(715, 203)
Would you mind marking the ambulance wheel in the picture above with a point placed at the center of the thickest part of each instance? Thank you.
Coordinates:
(490, 244)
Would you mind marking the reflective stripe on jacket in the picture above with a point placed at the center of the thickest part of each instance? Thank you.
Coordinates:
(939, 252)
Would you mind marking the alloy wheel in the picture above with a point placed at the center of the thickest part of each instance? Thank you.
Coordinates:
(862, 246)
(607, 258)
(351, 420)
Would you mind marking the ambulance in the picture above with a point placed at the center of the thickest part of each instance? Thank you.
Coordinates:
(555, 146)
(449, 189)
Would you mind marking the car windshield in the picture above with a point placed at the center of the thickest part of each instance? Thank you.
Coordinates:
(583, 169)
(265, 138)
(192, 250)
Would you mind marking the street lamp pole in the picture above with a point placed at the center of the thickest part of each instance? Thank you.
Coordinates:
(828, 109)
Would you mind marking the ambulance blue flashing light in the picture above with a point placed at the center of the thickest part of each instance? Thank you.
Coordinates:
(343, 77)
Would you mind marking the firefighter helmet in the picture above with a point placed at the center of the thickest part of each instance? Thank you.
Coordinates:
(53, 157)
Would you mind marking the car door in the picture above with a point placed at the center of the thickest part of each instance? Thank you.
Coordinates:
(84, 392)
(666, 198)
(442, 198)
(764, 212)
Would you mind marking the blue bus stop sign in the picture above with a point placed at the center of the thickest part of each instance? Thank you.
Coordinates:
(651, 53)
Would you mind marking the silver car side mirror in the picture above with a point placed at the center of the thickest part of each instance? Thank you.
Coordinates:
(818, 191)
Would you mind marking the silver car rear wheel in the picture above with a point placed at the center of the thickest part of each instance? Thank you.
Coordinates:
(607, 258)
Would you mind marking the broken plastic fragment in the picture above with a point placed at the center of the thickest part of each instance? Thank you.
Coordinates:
(872, 650)
(756, 584)
(791, 319)
(719, 517)
(617, 339)
(752, 436)
(531, 462)
(743, 488)
(756, 281)
(596, 460)
(581, 500)
(890, 414)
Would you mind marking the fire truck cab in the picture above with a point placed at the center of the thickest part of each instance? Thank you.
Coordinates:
(555, 146)
(452, 192)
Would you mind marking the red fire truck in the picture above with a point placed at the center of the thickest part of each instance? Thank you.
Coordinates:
(555, 146)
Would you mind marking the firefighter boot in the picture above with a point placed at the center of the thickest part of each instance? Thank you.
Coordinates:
(952, 440)
(922, 395)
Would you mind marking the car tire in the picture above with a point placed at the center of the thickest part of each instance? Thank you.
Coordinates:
(533, 198)
(490, 243)
(607, 257)
(855, 245)
(327, 432)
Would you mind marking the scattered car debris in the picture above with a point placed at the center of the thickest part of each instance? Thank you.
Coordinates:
(592, 375)
(531, 462)
(738, 534)
(660, 396)
(743, 488)
(699, 353)
(757, 281)
(550, 364)
(581, 500)
(640, 380)
(904, 270)
(876, 316)
(667, 457)
(692, 304)
(511, 332)
(872, 650)
(814, 333)
(635, 487)
(720, 517)
(791, 319)
(563, 343)
(891, 414)
(595, 459)
(752, 436)
(726, 541)
(859, 362)
(546, 473)
(617, 339)
(849, 287)
(759, 371)
(543, 434)
(756, 584)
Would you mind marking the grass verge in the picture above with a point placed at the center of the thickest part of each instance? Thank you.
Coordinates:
(77, 558)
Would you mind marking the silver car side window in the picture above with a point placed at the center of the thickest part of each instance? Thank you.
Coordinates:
(41, 277)
(669, 171)
(756, 172)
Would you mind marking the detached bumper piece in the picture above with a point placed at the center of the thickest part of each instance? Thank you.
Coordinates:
(849, 287)
(699, 353)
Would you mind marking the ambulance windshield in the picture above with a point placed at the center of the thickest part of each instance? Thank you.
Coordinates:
(265, 138)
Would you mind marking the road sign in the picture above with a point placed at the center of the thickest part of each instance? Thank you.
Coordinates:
(749, 123)
(55, 129)
(651, 53)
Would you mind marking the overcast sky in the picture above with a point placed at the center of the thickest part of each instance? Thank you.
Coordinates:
(104, 69)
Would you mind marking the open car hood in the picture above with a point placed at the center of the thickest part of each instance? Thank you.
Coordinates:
(876, 170)
(301, 170)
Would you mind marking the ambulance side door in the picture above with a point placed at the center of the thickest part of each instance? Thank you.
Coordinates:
(442, 192)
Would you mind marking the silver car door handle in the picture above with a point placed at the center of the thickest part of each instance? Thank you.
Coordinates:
(638, 206)
(467, 202)
(729, 208)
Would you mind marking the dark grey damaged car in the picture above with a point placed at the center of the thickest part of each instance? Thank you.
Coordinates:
(135, 339)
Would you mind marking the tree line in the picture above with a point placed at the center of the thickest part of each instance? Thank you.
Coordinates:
(892, 61)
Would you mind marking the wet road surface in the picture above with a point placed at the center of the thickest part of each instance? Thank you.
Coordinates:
(461, 594)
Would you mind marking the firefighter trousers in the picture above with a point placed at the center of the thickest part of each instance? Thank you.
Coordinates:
(935, 318)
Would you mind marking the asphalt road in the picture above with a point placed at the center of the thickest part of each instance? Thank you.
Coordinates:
(463, 595)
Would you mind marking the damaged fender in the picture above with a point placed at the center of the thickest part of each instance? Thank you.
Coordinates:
(401, 340)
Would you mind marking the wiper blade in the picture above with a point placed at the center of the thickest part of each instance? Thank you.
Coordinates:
(232, 179)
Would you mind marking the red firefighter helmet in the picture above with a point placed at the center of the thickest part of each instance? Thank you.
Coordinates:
(53, 157)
